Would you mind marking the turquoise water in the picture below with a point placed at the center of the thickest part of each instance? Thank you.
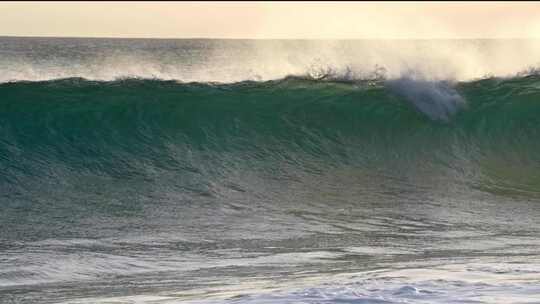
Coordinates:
(299, 189)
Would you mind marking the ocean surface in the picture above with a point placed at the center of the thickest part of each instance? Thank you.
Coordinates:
(245, 171)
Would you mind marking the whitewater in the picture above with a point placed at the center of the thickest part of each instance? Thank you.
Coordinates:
(269, 171)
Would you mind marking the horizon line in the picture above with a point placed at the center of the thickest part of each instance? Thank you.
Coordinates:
(256, 38)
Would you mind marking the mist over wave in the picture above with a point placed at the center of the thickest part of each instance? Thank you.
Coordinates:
(228, 61)
(438, 100)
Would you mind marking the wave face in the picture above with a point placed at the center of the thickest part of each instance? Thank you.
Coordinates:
(316, 188)
(136, 127)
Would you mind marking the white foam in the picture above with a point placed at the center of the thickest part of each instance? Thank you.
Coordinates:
(457, 283)
(437, 99)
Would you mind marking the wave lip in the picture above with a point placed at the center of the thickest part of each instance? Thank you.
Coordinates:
(438, 100)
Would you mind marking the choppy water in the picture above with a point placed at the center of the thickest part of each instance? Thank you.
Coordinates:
(331, 187)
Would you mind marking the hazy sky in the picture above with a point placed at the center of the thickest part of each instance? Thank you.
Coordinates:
(333, 20)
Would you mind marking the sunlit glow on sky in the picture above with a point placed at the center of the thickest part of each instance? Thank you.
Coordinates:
(270, 20)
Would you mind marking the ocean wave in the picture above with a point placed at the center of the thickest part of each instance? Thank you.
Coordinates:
(128, 126)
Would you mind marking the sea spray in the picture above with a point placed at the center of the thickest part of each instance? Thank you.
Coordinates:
(437, 99)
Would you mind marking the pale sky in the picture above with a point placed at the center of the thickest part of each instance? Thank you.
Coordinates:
(270, 20)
